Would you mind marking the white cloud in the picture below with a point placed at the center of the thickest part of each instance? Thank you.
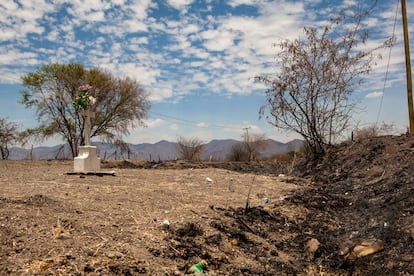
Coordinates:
(18, 21)
(140, 8)
(140, 40)
(135, 26)
(96, 16)
(182, 44)
(146, 76)
(160, 93)
(235, 3)
(118, 2)
(85, 10)
(153, 123)
(53, 35)
(179, 4)
(374, 95)
(197, 64)
(218, 40)
(15, 57)
(174, 127)
(201, 124)
(9, 5)
(9, 76)
(189, 29)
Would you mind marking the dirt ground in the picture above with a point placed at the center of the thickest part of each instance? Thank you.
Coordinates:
(241, 219)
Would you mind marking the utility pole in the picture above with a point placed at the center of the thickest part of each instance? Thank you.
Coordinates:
(247, 143)
(247, 130)
(408, 67)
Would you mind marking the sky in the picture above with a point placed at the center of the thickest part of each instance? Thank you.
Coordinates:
(197, 59)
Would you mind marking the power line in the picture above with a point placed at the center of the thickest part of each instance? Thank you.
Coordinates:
(193, 123)
(388, 65)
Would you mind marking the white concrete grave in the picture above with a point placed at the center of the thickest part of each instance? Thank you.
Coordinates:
(87, 161)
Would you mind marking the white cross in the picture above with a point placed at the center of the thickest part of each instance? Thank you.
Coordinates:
(87, 114)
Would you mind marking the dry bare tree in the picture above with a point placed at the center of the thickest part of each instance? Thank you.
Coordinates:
(8, 136)
(190, 149)
(311, 93)
(249, 148)
(123, 148)
(373, 131)
(238, 153)
(253, 144)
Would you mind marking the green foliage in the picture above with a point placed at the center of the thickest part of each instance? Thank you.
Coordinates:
(58, 93)
(81, 101)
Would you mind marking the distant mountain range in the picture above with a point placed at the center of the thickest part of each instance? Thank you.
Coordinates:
(160, 151)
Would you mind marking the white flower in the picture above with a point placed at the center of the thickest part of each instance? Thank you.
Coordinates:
(92, 100)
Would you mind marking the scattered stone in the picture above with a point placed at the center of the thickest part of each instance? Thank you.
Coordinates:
(365, 248)
(311, 247)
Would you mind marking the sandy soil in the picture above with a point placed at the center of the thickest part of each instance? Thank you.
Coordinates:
(53, 223)
(350, 213)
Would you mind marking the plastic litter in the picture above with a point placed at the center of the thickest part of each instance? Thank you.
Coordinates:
(266, 200)
(199, 267)
(166, 224)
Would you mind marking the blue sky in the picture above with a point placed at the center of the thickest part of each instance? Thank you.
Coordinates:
(196, 58)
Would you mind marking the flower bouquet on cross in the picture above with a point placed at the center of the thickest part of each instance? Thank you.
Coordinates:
(83, 100)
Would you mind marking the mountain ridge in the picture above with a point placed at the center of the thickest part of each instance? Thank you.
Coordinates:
(217, 149)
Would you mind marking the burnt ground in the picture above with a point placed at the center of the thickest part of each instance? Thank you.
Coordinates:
(364, 189)
(162, 218)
